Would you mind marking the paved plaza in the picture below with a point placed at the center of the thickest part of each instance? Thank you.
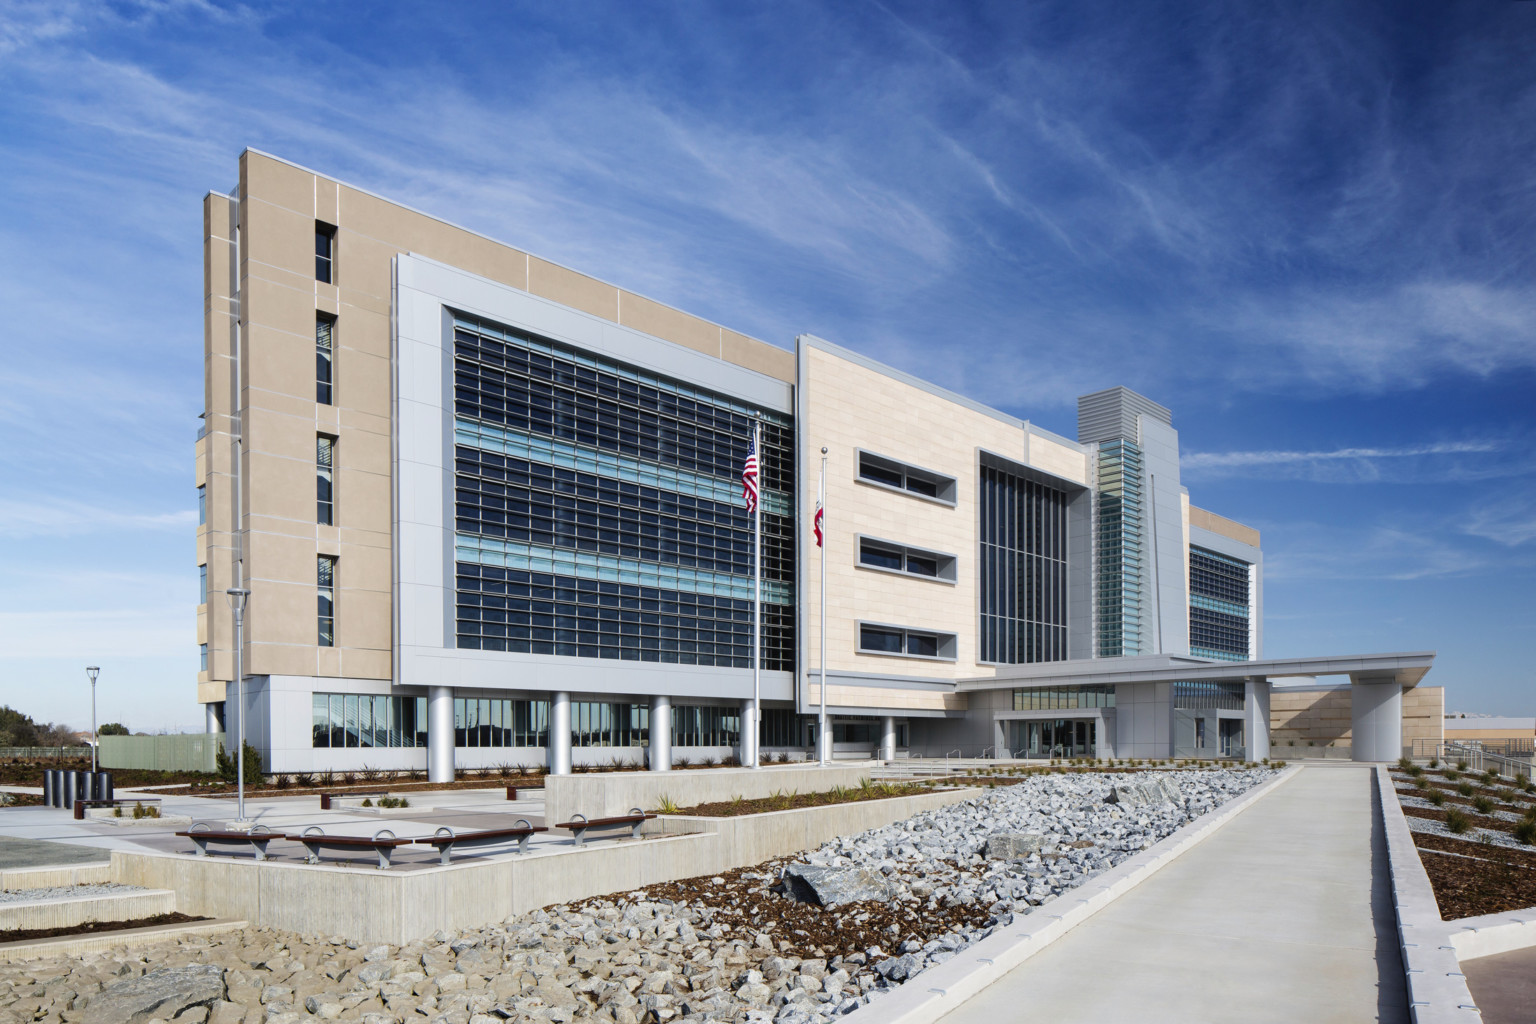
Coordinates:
(1283, 915)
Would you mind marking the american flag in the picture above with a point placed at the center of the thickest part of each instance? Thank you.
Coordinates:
(749, 476)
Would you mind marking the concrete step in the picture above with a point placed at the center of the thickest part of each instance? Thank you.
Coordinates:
(66, 912)
(64, 874)
(74, 945)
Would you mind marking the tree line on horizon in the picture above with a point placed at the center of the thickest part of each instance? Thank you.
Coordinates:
(17, 729)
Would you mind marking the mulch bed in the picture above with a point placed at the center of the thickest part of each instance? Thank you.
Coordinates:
(1478, 820)
(95, 927)
(790, 802)
(1471, 888)
(20, 800)
(805, 930)
(1474, 848)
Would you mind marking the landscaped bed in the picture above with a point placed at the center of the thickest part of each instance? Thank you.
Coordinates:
(96, 927)
(1479, 853)
(795, 800)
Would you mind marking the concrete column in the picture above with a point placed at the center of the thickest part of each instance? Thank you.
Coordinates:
(888, 738)
(1256, 718)
(559, 749)
(749, 732)
(661, 734)
(213, 712)
(1376, 720)
(440, 735)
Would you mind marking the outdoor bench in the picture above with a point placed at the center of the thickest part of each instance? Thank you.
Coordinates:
(633, 820)
(326, 798)
(446, 839)
(81, 806)
(257, 838)
(382, 842)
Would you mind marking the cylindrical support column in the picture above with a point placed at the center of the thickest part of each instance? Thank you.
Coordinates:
(1376, 721)
(661, 734)
(211, 723)
(1256, 718)
(888, 738)
(560, 733)
(749, 733)
(440, 734)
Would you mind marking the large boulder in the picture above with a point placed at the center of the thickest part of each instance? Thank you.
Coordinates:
(833, 886)
(1161, 790)
(1013, 845)
(159, 994)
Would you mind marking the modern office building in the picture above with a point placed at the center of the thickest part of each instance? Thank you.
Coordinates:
(488, 510)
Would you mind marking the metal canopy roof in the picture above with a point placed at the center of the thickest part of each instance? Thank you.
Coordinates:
(1404, 668)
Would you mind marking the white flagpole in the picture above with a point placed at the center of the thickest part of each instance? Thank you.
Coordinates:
(822, 739)
(755, 733)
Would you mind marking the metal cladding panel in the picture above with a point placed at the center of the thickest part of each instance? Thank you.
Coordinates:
(1111, 415)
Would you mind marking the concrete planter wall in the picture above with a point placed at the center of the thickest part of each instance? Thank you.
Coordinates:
(398, 906)
(602, 795)
(68, 913)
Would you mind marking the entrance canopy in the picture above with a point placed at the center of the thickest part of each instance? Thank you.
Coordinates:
(1405, 669)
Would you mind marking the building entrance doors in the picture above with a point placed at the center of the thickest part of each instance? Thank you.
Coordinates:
(1058, 737)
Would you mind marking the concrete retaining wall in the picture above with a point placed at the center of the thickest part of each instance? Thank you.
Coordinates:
(397, 906)
(1492, 934)
(70, 912)
(601, 795)
(43, 878)
(751, 838)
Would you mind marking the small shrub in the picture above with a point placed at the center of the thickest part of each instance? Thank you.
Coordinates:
(367, 801)
(1416, 771)
(666, 805)
(1434, 762)
(1461, 766)
(1457, 821)
(327, 779)
(117, 812)
(404, 802)
(505, 769)
(1404, 764)
(1464, 788)
(1520, 780)
(1451, 774)
(370, 774)
(349, 778)
(1435, 797)
(1482, 805)
(304, 780)
(282, 781)
(1526, 831)
(1421, 783)
(1490, 776)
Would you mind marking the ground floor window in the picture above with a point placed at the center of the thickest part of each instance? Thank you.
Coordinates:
(363, 720)
(705, 726)
(497, 722)
(1058, 737)
(595, 724)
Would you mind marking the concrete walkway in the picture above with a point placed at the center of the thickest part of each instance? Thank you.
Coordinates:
(1283, 915)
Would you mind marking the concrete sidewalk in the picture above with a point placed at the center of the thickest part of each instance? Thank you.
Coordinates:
(1283, 915)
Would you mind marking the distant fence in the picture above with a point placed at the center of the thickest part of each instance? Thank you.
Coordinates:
(187, 752)
(52, 753)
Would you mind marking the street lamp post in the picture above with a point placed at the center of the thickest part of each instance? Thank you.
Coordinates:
(92, 671)
(237, 598)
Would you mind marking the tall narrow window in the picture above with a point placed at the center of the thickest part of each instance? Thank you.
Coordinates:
(325, 250)
(325, 457)
(202, 504)
(202, 654)
(327, 588)
(202, 584)
(324, 357)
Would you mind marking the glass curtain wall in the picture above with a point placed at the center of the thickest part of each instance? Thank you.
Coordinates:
(1023, 569)
(1119, 555)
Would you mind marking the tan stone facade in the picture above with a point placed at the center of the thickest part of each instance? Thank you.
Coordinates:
(262, 299)
(1321, 718)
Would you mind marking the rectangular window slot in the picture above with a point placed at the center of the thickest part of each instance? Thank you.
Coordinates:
(325, 466)
(888, 556)
(886, 472)
(325, 358)
(901, 642)
(325, 252)
(326, 585)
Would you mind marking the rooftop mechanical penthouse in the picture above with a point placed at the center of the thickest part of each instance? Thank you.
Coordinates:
(489, 512)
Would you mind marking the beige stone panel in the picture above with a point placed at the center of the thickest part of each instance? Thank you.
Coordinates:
(363, 500)
(280, 239)
(361, 329)
(202, 618)
(327, 201)
(200, 461)
(210, 692)
(216, 207)
(363, 618)
(327, 540)
(366, 568)
(501, 263)
(297, 407)
(282, 526)
(268, 659)
(287, 309)
(282, 489)
(270, 432)
(1058, 459)
(282, 362)
(279, 184)
(569, 288)
(366, 664)
(757, 355)
(366, 539)
(1221, 525)
(327, 419)
(279, 560)
(284, 278)
(366, 451)
(363, 264)
(671, 324)
(327, 661)
(328, 304)
(362, 385)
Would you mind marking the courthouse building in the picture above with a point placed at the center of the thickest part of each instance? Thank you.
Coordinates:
(488, 510)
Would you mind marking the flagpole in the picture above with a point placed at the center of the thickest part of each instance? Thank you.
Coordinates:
(755, 735)
(822, 739)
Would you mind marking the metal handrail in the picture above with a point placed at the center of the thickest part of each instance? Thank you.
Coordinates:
(983, 754)
(952, 753)
(1479, 759)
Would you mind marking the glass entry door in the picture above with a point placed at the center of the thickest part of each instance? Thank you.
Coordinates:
(1058, 737)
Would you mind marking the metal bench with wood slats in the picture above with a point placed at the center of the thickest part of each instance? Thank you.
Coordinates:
(257, 838)
(445, 839)
(633, 820)
(382, 842)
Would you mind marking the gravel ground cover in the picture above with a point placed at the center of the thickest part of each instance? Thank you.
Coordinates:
(67, 892)
(786, 801)
(731, 947)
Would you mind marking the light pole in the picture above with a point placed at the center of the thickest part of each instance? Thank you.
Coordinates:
(92, 671)
(237, 599)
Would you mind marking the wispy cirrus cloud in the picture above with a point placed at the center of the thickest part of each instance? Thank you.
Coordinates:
(1445, 460)
(21, 519)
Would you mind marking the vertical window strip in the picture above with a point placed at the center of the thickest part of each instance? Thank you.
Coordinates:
(325, 458)
(324, 358)
(326, 586)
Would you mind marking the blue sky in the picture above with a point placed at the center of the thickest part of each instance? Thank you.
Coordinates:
(1310, 231)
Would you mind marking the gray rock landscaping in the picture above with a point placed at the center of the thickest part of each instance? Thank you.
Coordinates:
(632, 957)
